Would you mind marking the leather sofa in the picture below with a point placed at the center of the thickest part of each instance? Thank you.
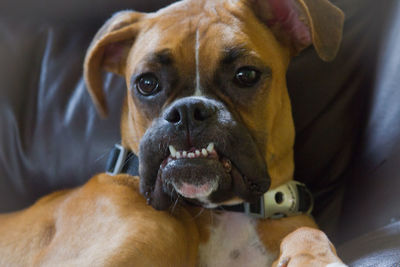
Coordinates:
(346, 112)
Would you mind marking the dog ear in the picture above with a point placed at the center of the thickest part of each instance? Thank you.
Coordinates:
(109, 50)
(300, 23)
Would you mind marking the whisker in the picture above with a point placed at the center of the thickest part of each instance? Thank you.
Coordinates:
(176, 202)
(199, 213)
(103, 155)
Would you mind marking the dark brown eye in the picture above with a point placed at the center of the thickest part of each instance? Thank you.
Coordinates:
(147, 84)
(247, 76)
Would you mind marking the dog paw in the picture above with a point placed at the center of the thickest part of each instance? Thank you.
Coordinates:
(307, 247)
(285, 263)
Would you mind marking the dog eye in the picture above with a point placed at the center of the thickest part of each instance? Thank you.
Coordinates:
(246, 76)
(147, 84)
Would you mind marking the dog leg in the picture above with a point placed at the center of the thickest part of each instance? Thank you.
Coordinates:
(106, 222)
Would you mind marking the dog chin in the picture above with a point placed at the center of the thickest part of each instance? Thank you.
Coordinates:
(199, 192)
(196, 174)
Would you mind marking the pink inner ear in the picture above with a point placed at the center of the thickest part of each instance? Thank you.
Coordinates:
(286, 14)
(114, 53)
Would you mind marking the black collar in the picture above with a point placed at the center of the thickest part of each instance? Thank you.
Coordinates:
(292, 198)
(121, 160)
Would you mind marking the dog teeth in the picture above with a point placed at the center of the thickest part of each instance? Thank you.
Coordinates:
(204, 152)
(210, 147)
(172, 150)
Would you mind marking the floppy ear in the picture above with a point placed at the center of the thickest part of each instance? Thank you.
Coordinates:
(300, 23)
(109, 50)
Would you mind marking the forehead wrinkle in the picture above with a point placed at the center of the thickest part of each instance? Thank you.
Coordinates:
(213, 48)
(171, 44)
(162, 57)
(202, 51)
(233, 53)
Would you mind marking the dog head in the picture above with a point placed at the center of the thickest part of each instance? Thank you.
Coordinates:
(207, 108)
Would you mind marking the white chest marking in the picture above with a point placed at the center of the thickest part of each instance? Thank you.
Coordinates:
(234, 242)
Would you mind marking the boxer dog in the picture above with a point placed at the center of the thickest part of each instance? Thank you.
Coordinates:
(208, 114)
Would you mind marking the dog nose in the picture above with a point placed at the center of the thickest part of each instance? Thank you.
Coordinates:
(190, 111)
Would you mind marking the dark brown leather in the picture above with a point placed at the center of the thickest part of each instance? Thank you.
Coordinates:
(373, 192)
(346, 112)
(333, 104)
(73, 11)
(51, 136)
(376, 248)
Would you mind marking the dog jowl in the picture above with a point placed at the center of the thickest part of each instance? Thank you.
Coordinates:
(207, 108)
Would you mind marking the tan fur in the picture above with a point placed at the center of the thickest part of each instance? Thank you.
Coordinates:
(107, 222)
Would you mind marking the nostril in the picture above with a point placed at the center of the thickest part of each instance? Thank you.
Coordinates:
(173, 116)
(202, 113)
(189, 112)
(198, 114)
